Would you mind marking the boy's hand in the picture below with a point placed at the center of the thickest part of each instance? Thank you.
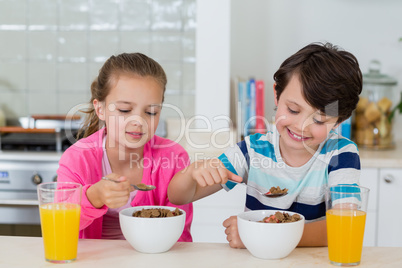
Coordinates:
(212, 171)
(113, 193)
(232, 233)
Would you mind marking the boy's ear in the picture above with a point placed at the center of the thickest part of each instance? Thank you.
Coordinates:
(337, 125)
(276, 100)
(99, 109)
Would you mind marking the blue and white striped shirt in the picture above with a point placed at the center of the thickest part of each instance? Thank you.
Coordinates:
(258, 160)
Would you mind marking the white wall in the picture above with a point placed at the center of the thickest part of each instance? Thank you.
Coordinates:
(266, 32)
(213, 62)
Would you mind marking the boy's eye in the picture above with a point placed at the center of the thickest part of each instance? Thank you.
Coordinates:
(292, 111)
(318, 122)
(152, 113)
(124, 111)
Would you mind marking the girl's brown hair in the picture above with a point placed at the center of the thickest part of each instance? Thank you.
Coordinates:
(132, 64)
(331, 78)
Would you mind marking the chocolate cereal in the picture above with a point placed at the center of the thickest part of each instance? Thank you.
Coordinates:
(157, 213)
(280, 217)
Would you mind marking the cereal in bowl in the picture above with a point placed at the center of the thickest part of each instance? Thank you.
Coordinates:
(280, 217)
(156, 213)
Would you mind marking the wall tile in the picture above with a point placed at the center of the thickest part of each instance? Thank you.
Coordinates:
(13, 14)
(15, 47)
(174, 75)
(189, 13)
(55, 48)
(42, 103)
(103, 44)
(166, 46)
(189, 77)
(43, 14)
(135, 42)
(14, 104)
(74, 14)
(71, 102)
(13, 77)
(42, 77)
(42, 45)
(94, 68)
(104, 15)
(72, 77)
(166, 15)
(73, 46)
(171, 107)
(188, 44)
(135, 15)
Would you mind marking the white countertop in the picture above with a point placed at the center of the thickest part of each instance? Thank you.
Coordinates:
(28, 252)
(29, 156)
(391, 158)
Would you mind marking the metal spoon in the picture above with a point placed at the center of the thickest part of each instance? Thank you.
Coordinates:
(139, 187)
(143, 187)
(267, 194)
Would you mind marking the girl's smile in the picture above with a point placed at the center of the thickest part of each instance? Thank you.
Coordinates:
(135, 135)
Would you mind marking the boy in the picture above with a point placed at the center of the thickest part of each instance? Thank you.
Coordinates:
(315, 90)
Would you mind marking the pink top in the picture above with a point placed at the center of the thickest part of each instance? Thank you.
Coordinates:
(82, 163)
(111, 222)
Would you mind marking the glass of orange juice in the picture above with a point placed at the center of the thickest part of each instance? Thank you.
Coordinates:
(60, 208)
(346, 208)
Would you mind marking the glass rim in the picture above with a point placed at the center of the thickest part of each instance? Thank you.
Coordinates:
(365, 189)
(41, 188)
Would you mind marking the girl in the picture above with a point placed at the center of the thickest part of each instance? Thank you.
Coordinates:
(119, 145)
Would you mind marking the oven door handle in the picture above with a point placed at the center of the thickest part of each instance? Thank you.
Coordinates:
(19, 202)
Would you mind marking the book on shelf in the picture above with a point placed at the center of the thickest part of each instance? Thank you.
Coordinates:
(260, 107)
(250, 107)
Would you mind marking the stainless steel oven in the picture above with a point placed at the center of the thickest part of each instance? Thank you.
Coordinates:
(29, 155)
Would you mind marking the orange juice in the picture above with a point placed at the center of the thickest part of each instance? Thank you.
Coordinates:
(345, 230)
(60, 225)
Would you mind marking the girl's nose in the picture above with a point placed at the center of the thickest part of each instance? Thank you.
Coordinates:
(134, 120)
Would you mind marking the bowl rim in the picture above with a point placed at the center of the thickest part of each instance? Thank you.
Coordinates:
(240, 216)
(136, 208)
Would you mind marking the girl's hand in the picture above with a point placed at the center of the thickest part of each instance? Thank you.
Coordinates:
(232, 233)
(212, 171)
(113, 194)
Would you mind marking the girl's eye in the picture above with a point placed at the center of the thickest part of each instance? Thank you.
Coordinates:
(124, 111)
(318, 122)
(292, 112)
(151, 114)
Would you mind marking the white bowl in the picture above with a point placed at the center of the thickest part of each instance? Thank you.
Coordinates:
(151, 235)
(269, 240)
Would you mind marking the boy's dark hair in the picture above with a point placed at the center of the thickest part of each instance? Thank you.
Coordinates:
(331, 78)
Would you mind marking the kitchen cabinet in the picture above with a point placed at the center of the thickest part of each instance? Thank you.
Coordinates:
(369, 179)
(211, 211)
(389, 207)
(384, 214)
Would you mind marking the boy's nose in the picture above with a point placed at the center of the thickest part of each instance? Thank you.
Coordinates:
(304, 123)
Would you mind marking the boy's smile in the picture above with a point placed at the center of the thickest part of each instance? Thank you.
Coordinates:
(301, 127)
